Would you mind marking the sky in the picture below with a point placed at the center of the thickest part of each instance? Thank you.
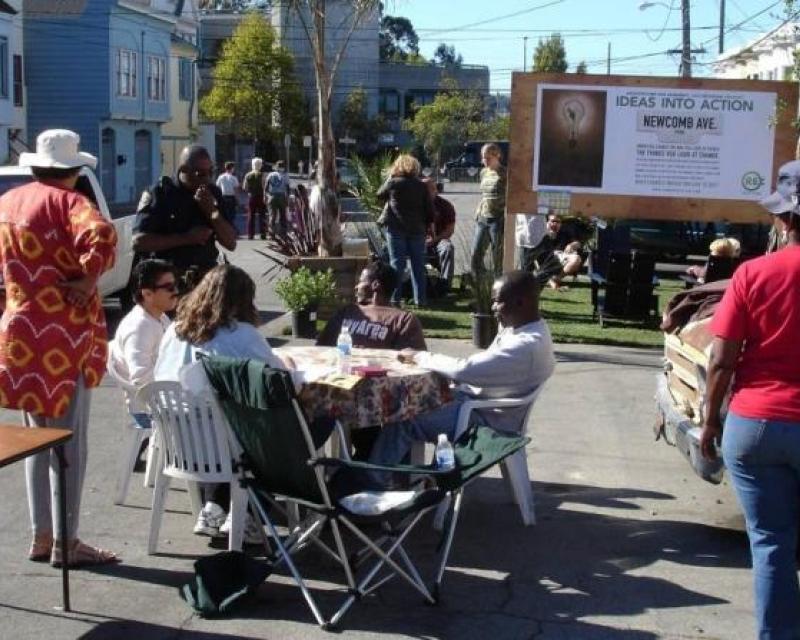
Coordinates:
(491, 33)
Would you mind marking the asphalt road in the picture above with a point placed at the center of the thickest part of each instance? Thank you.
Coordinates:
(628, 545)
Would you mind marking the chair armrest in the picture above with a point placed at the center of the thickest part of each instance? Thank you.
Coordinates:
(406, 469)
(497, 403)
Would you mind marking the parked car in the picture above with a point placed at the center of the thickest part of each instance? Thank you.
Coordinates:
(470, 157)
(113, 282)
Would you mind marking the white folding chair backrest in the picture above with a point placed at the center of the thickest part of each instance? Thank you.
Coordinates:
(497, 403)
(192, 433)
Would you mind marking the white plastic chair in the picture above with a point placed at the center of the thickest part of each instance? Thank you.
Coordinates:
(515, 467)
(134, 437)
(192, 448)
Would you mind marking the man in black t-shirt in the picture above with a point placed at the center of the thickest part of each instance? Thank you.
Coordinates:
(180, 222)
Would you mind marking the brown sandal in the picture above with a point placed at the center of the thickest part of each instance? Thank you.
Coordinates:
(82, 555)
(41, 547)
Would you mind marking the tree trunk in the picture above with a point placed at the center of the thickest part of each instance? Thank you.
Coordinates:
(330, 243)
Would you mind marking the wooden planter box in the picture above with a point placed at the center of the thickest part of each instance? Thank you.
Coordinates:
(345, 273)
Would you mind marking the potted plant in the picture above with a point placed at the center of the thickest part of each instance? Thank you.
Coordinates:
(302, 292)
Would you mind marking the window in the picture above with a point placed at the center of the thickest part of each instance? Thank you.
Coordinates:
(3, 67)
(389, 103)
(17, 80)
(156, 78)
(127, 63)
(185, 79)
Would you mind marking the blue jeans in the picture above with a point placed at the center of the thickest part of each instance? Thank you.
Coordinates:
(763, 458)
(403, 246)
(488, 231)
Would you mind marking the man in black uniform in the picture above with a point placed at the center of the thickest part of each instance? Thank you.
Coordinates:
(181, 222)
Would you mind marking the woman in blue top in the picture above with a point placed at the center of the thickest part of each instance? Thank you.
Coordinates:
(218, 317)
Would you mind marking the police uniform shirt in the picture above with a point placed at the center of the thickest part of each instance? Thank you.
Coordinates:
(170, 208)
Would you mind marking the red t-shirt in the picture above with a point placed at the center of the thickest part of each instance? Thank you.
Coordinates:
(762, 307)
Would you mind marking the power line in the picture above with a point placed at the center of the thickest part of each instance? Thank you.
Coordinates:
(496, 19)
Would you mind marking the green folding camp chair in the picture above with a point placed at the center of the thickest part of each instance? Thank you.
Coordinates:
(279, 464)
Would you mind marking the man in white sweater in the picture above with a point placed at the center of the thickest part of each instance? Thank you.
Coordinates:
(518, 361)
(133, 352)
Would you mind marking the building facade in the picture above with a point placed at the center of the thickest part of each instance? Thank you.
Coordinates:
(182, 128)
(12, 82)
(405, 87)
(769, 56)
(392, 89)
(119, 98)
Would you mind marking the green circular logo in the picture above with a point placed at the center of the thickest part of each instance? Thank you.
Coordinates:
(752, 181)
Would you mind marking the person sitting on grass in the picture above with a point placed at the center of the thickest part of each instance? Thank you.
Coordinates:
(372, 321)
(519, 360)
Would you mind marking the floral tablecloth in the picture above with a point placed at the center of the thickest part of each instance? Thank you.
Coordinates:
(405, 391)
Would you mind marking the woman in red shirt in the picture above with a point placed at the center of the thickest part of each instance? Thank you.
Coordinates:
(757, 345)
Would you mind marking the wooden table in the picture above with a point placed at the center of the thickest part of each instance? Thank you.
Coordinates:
(17, 443)
(405, 390)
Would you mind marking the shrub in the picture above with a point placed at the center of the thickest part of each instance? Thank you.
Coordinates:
(306, 289)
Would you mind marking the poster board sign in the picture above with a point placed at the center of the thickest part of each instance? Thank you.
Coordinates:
(696, 149)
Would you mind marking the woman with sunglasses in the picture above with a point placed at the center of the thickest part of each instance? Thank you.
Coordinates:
(133, 352)
(218, 317)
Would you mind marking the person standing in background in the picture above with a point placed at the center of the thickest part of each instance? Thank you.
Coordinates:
(53, 339)
(408, 217)
(276, 191)
(181, 221)
(228, 184)
(490, 215)
(256, 208)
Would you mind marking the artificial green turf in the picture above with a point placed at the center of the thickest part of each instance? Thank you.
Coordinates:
(569, 314)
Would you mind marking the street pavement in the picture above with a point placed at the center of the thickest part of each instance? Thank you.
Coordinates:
(629, 543)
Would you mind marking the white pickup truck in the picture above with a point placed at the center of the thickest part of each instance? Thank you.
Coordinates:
(115, 281)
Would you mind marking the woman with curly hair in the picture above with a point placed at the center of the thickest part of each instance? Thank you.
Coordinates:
(218, 317)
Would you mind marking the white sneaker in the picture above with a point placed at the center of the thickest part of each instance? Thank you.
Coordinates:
(252, 535)
(211, 517)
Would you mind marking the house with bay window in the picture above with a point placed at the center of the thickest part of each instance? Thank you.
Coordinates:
(104, 69)
(12, 82)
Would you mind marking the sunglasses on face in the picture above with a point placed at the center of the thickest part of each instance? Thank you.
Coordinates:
(167, 286)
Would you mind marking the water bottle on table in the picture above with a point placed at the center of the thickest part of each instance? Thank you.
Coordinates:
(344, 347)
(445, 456)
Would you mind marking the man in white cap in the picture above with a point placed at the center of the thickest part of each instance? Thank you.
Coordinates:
(54, 245)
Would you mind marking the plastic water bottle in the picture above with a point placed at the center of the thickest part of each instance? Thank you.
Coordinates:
(344, 346)
(445, 456)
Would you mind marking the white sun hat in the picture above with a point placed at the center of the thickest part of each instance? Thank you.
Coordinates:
(780, 201)
(57, 149)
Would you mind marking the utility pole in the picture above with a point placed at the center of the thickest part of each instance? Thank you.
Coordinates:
(524, 53)
(686, 54)
(608, 60)
(721, 26)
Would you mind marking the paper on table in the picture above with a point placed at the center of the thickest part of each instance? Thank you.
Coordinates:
(314, 372)
(341, 380)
